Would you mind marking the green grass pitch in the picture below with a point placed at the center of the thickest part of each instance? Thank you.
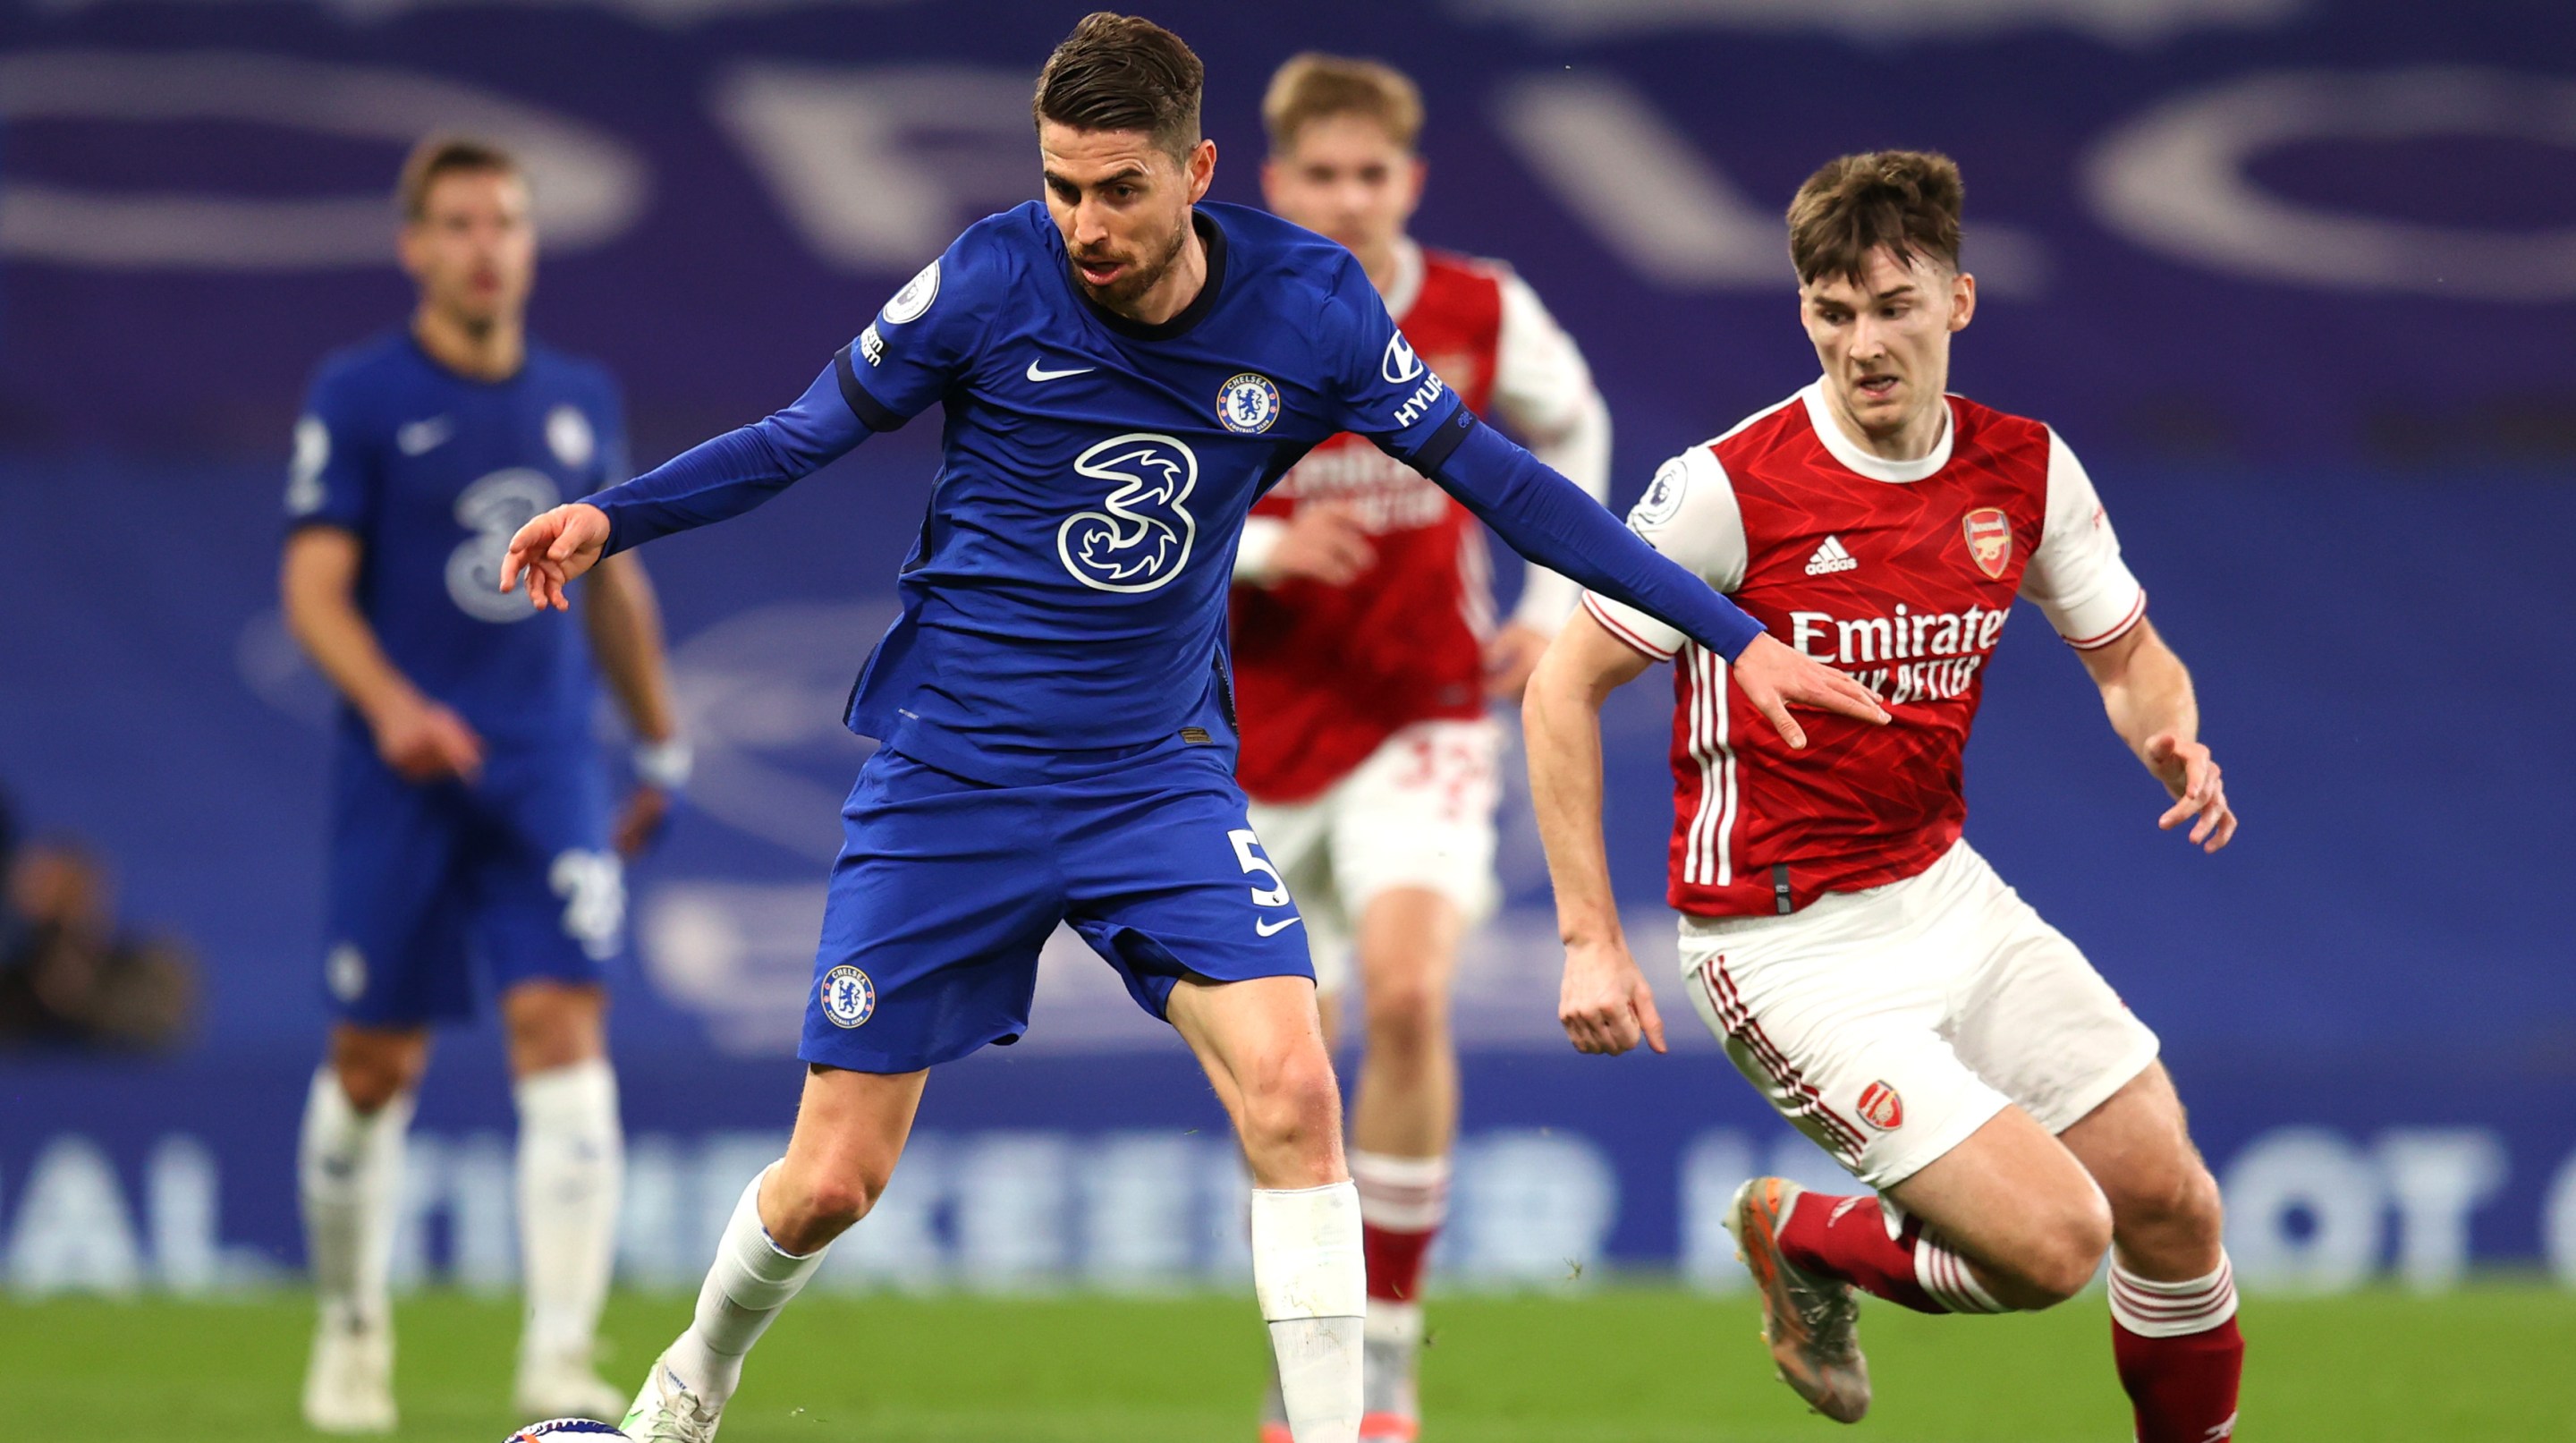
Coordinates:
(1632, 1364)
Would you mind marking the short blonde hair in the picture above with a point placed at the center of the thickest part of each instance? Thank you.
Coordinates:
(1313, 86)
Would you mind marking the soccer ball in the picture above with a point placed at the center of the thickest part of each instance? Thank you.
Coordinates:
(567, 1430)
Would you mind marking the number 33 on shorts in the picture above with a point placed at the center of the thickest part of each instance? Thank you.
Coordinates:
(1247, 850)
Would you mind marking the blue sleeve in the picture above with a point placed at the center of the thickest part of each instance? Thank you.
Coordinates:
(927, 336)
(1386, 393)
(737, 470)
(332, 479)
(1551, 521)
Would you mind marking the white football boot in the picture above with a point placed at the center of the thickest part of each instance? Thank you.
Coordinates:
(667, 1412)
(563, 1385)
(1391, 1407)
(349, 1381)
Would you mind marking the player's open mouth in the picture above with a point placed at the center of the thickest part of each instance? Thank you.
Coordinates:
(1099, 273)
(1877, 388)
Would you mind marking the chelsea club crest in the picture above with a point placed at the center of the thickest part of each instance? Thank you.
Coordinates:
(1247, 404)
(848, 997)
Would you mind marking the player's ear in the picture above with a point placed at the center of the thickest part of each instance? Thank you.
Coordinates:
(1963, 300)
(409, 242)
(1202, 169)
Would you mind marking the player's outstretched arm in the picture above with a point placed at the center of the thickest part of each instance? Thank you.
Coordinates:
(1604, 1003)
(708, 482)
(1549, 520)
(2148, 693)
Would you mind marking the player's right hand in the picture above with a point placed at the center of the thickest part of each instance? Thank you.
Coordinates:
(1775, 678)
(425, 742)
(1324, 542)
(1605, 1005)
(552, 549)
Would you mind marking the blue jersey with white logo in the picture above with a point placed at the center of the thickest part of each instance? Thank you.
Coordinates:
(433, 472)
(1064, 606)
(1065, 603)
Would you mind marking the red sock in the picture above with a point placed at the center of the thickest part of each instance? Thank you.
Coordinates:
(1403, 1201)
(2180, 1354)
(1395, 1262)
(1846, 1238)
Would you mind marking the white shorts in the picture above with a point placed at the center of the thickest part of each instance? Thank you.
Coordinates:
(1419, 812)
(1891, 1023)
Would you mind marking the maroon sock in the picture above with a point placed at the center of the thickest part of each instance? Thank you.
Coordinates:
(1846, 1238)
(1395, 1258)
(2183, 1389)
(2180, 1354)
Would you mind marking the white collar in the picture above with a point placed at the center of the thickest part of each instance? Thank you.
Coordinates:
(1408, 279)
(1876, 468)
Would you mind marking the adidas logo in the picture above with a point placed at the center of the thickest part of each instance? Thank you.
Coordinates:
(1830, 558)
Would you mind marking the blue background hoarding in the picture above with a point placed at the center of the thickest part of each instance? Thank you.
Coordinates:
(2293, 278)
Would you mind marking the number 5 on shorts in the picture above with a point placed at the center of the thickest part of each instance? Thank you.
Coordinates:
(1247, 850)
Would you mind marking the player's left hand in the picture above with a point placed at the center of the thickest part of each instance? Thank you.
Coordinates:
(647, 812)
(1604, 1004)
(1775, 678)
(553, 548)
(1510, 658)
(2188, 772)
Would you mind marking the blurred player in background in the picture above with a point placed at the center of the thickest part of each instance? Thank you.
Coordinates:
(1365, 652)
(1122, 369)
(1863, 965)
(471, 840)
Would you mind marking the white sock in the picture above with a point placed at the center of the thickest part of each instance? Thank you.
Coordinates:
(1313, 1285)
(572, 1160)
(1950, 1279)
(2172, 1310)
(752, 1279)
(348, 1170)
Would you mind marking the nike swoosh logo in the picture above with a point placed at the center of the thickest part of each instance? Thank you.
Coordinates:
(1272, 929)
(1040, 373)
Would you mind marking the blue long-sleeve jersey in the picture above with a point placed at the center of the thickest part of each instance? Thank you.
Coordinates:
(1064, 606)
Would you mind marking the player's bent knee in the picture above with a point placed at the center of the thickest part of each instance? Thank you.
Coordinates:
(376, 1068)
(1292, 1112)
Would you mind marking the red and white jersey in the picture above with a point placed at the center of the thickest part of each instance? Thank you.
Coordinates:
(1324, 674)
(1898, 572)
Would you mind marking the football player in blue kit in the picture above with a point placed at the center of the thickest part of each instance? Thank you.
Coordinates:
(470, 799)
(1122, 370)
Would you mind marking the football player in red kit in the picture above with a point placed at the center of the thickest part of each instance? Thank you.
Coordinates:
(1863, 966)
(1366, 654)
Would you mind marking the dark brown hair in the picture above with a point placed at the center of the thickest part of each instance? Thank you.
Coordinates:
(1905, 200)
(447, 155)
(1117, 72)
(1313, 86)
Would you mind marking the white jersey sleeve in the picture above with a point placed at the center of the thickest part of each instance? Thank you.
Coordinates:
(1688, 513)
(1543, 391)
(2077, 577)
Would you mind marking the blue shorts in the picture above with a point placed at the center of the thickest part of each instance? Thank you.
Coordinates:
(946, 889)
(514, 873)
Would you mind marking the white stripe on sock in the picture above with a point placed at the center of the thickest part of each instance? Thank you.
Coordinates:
(2154, 1309)
(1401, 1194)
(1950, 1280)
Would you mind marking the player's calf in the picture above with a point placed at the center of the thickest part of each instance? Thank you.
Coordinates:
(2173, 1296)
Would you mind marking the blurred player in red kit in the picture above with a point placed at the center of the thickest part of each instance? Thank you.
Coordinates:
(1863, 966)
(1367, 652)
